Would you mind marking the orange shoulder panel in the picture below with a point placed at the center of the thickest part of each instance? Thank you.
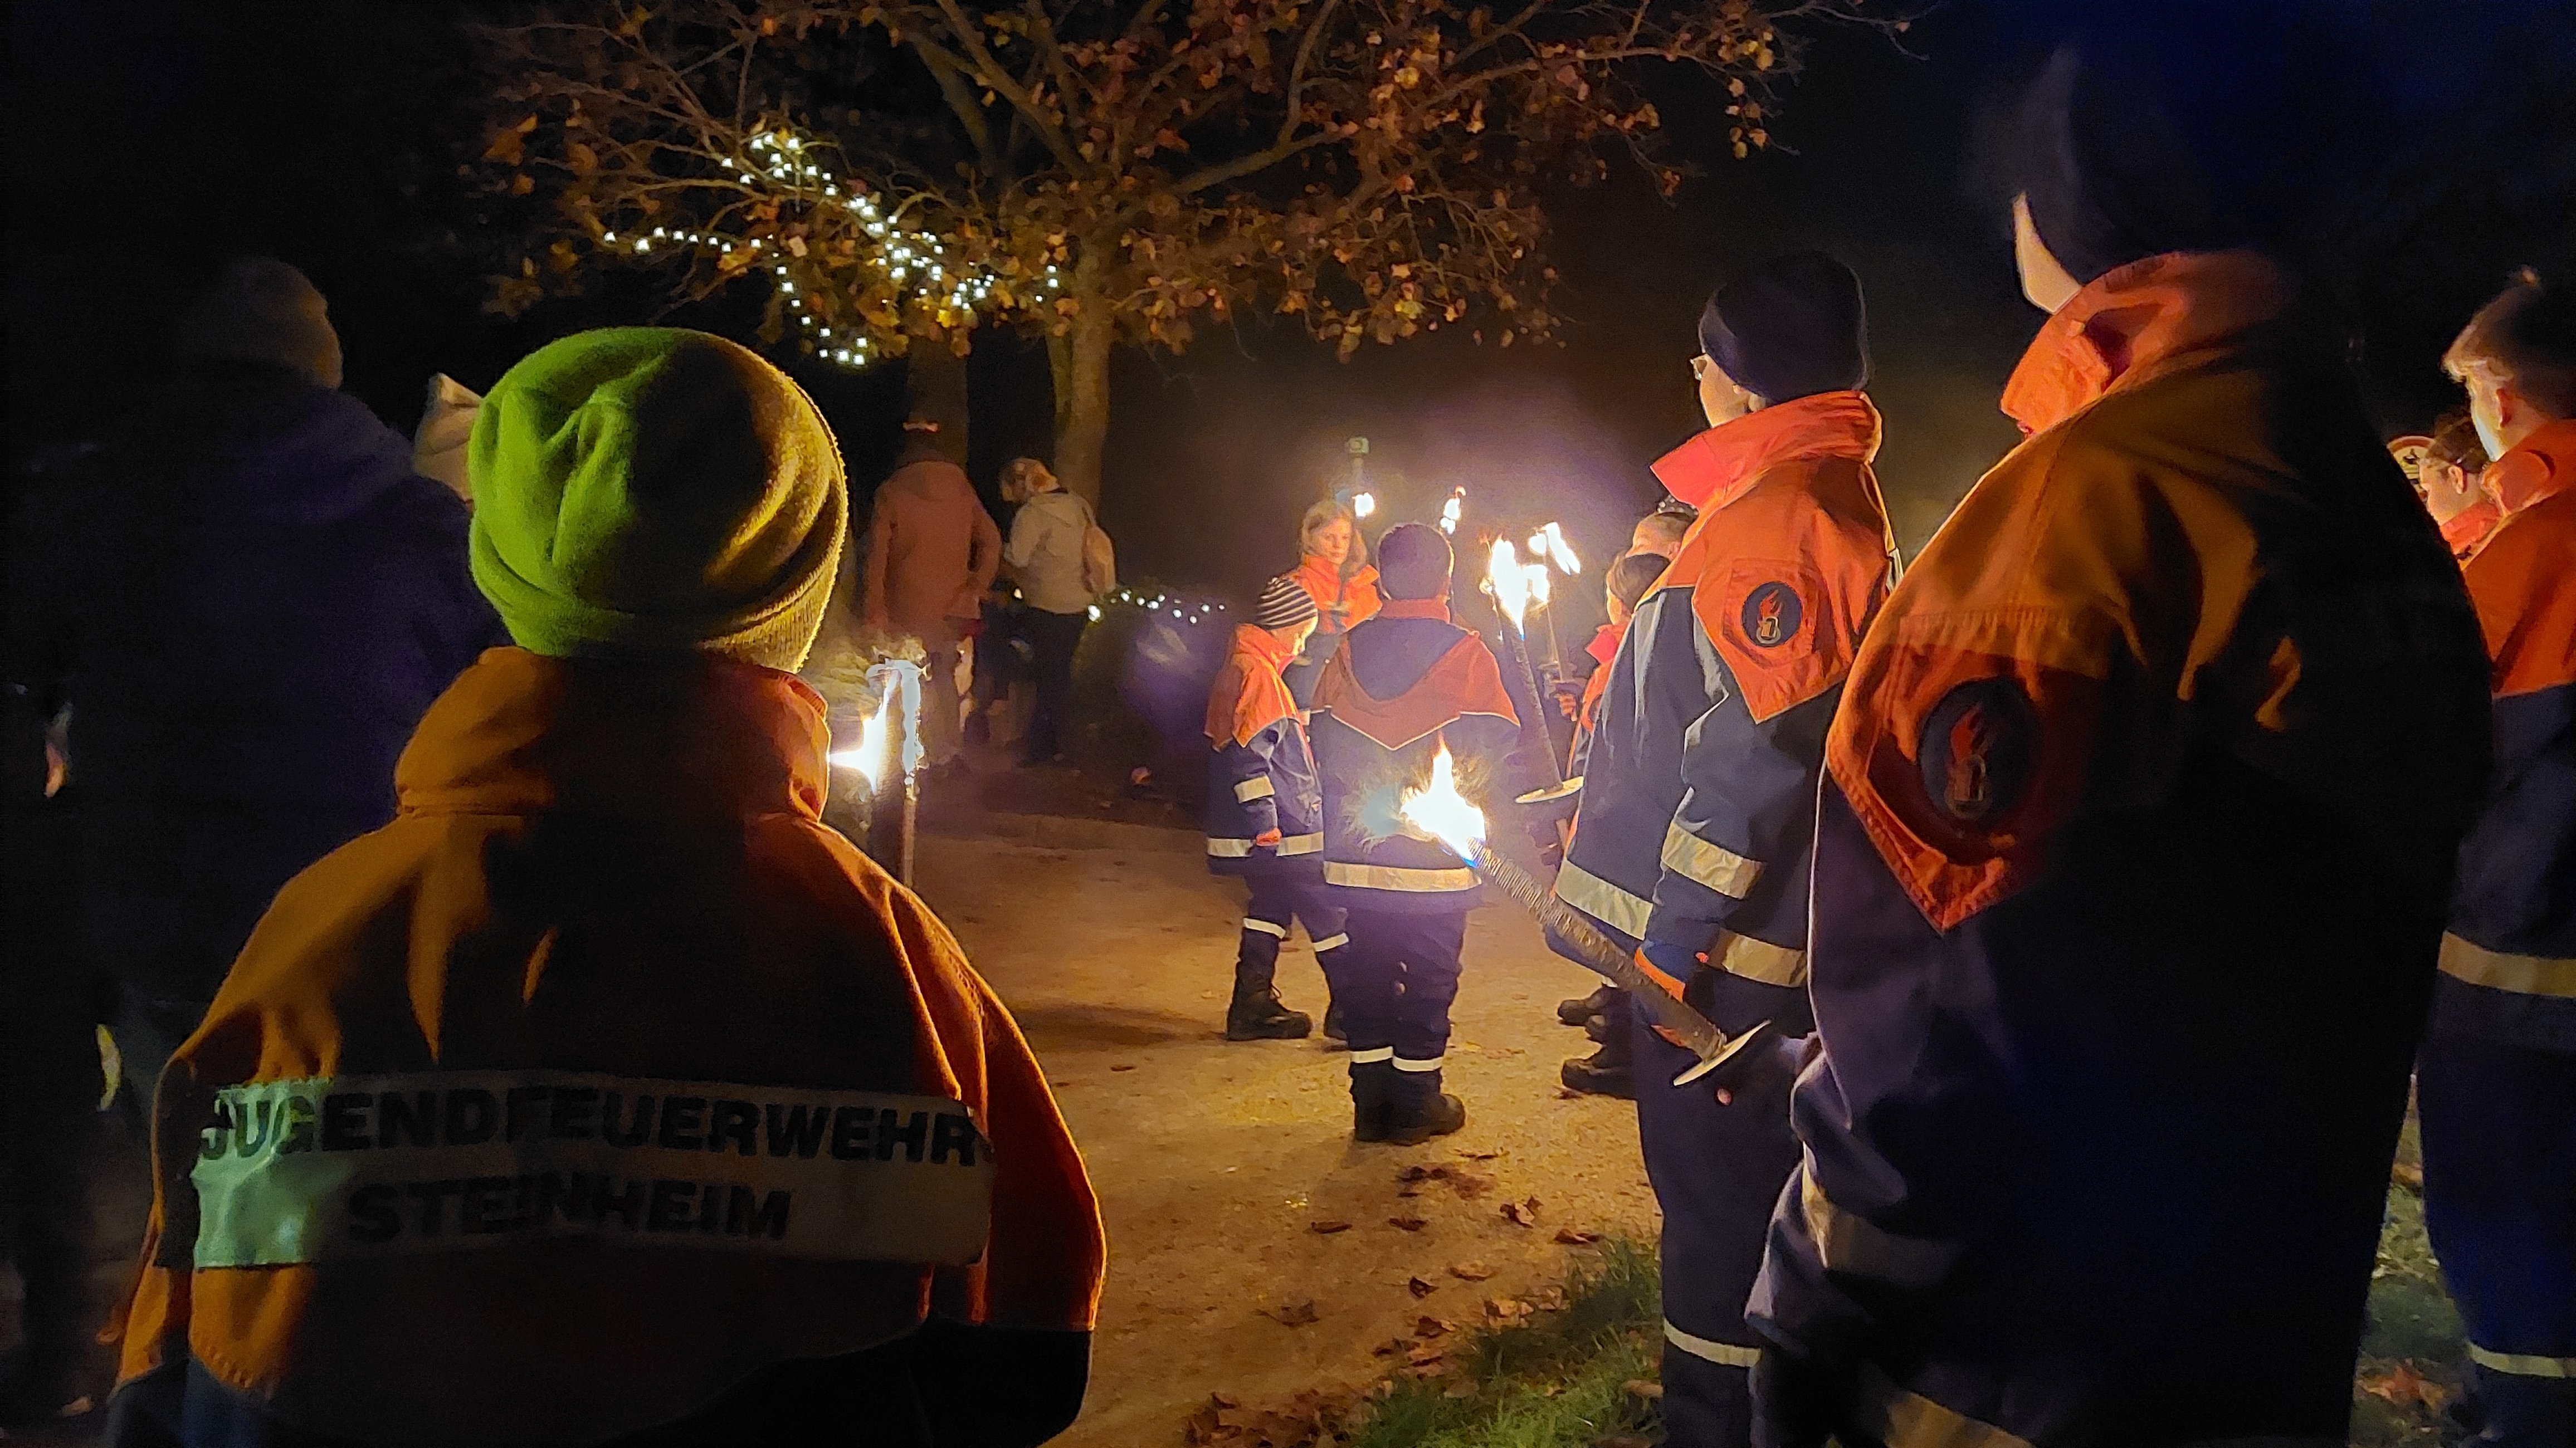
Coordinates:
(2523, 582)
(1248, 697)
(1465, 680)
(1788, 581)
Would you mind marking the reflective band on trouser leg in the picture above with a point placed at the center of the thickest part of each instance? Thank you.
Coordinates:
(1715, 866)
(1417, 1067)
(2522, 974)
(1252, 789)
(1603, 901)
(1857, 1247)
(303, 1171)
(1301, 844)
(1372, 1056)
(1901, 1419)
(1724, 1354)
(2523, 1364)
(1332, 942)
(1225, 849)
(1266, 927)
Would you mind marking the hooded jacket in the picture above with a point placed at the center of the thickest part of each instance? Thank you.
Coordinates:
(253, 604)
(1045, 551)
(1261, 773)
(2509, 961)
(1406, 685)
(1699, 788)
(602, 1080)
(932, 549)
(2130, 865)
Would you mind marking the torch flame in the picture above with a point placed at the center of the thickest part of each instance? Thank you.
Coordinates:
(1453, 510)
(1440, 811)
(1559, 553)
(1507, 581)
(1536, 573)
(873, 755)
(1363, 504)
(1537, 544)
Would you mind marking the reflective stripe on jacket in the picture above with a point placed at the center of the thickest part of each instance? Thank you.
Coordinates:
(2509, 962)
(1700, 782)
(2130, 868)
(1261, 773)
(602, 1078)
(1401, 686)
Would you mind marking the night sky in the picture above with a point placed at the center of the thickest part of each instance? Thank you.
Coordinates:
(150, 141)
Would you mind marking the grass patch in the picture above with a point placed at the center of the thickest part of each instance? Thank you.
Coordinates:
(2411, 1348)
(1559, 1381)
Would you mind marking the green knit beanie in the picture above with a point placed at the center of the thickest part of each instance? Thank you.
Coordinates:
(647, 490)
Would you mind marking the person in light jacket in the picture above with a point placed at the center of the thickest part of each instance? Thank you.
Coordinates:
(1045, 557)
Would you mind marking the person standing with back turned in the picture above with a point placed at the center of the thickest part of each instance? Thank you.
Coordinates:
(2496, 1082)
(932, 551)
(1699, 793)
(2131, 857)
(607, 1096)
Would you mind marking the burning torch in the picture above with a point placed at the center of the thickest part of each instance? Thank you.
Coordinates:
(1548, 545)
(1443, 814)
(890, 832)
(1452, 511)
(1514, 585)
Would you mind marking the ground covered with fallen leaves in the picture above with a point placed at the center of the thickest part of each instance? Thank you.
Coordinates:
(1275, 1286)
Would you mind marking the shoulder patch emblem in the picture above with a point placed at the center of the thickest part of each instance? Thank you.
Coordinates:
(1979, 749)
(1772, 613)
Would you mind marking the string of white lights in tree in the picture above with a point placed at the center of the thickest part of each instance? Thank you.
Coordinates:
(905, 255)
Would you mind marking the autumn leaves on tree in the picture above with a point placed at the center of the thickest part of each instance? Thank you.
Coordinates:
(1098, 173)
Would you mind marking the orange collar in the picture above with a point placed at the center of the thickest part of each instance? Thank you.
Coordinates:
(1605, 643)
(2538, 467)
(1713, 469)
(2131, 323)
(699, 739)
(1258, 641)
(1320, 573)
(1415, 608)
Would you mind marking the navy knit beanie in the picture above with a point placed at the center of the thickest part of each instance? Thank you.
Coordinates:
(1789, 328)
(2209, 125)
(1284, 603)
(1413, 561)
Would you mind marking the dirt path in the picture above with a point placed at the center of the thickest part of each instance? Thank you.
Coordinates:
(1213, 1158)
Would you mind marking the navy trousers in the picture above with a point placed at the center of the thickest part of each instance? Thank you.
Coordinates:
(1394, 983)
(1717, 1172)
(2499, 1126)
(1278, 902)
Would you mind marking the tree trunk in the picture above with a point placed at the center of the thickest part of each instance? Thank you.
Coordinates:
(934, 386)
(1079, 362)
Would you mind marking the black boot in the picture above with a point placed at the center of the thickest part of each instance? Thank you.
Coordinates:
(1438, 1115)
(1333, 1030)
(1603, 1073)
(1369, 1104)
(1581, 1009)
(1259, 1016)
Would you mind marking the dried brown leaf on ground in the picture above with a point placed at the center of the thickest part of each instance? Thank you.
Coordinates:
(1429, 1326)
(1466, 1181)
(1407, 1224)
(1327, 1228)
(1550, 1300)
(1478, 1155)
(1421, 1286)
(1425, 1355)
(1293, 1314)
(1643, 1389)
(1471, 1184)
(2408, 1175)
(1124, 1066)
(1470, 1271)
(1391, 1347)
(1576, 1236)
(1507, 1311)
(1460, 1389)
(1521, 1214)
(2405, 1387)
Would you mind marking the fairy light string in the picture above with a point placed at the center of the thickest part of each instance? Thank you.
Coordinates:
(916, 261)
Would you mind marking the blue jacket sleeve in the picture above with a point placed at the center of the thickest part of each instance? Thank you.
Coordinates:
(1245, 769)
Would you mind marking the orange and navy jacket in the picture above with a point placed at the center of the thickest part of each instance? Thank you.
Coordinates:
(601, 1079)
(2130, 867)
(2509, 961)
(1604, 650)
(1700, 785)
(1341, 603)
(1261, 773)
(2468, 528)
(1403, 686)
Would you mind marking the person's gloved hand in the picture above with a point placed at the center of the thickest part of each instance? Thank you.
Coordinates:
(1796, 1402)
(1270, 836)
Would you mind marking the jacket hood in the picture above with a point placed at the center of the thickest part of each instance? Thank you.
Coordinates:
(1708, 471)
(2136, 323)
(1060, 501)
(299, 454)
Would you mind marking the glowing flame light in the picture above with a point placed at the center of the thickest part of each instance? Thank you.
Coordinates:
(1441, 812)
(1453, 510)
(1558, 553)
(1536, 576)
(898, 685)
(1363, 504)
(1537, 544)
(873, 756)
(1508, 581)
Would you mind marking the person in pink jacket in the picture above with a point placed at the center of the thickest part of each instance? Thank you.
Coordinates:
(932, 551)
